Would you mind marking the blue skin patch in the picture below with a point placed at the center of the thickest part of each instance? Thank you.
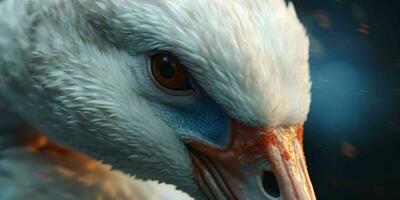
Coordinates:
(193, 118)
(201, 120)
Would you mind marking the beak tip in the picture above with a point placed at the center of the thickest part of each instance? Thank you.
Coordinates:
(234, 172)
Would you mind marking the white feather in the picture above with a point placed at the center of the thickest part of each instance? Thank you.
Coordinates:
(28, 174)
(69, 65)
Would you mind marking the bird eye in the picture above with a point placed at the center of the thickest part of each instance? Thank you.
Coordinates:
(169, 73)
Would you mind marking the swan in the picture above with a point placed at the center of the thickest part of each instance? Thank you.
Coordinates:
(209, 96)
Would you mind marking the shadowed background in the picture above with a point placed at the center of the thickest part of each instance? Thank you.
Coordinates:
(352, 136)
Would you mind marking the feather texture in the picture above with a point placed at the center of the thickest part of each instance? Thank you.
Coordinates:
(76, 70)
(28, 174)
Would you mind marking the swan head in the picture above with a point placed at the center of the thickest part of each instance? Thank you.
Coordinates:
(208, 95)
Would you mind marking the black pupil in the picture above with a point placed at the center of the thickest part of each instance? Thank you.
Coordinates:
(270, 184)
(167, 68)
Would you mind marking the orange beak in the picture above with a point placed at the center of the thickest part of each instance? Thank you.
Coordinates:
(241, 170)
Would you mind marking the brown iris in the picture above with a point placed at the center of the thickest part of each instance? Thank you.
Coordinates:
(169, 73)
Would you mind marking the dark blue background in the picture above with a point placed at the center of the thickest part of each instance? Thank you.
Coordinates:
(352, 136)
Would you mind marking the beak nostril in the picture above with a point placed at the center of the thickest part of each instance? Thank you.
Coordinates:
(270, 184)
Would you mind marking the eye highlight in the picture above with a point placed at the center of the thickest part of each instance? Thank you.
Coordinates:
(169, 74)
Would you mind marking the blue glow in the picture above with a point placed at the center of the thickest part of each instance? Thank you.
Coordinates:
(338, 90)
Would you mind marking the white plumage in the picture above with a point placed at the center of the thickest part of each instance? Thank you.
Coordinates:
(75, 70)
(26, 174)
